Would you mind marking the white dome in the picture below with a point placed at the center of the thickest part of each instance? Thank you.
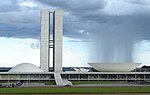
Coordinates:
(114, 67)
(25, 68)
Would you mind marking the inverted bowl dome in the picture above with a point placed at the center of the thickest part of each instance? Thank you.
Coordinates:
(25, 68)
(114, 67)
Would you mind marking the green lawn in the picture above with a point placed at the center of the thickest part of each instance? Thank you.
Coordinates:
(75, 90)
(92, 82)
(46, 82)
(77, 82)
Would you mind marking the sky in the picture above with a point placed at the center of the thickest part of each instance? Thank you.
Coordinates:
(94, 31)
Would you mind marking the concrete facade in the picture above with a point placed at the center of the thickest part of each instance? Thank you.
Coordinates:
(57, 35)
(122, 76)
(44, 40)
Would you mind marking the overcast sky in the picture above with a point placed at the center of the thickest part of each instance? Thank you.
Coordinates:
(84, 20)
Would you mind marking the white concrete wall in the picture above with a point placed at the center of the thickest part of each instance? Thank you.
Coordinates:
(58, 29)
(44, 43)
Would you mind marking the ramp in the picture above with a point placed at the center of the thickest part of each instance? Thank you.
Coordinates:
(61, 82)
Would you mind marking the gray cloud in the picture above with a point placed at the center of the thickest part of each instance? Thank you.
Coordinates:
(113, 28)
(139, 2)
(77, 6)
(35, 45)
(90, 15)
(85, 15)
(16, 31)
(9, 6)
(122, 23)
(17, 21)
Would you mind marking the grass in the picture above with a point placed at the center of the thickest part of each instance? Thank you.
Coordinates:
(75, 90)
(92, 82)
(77, 82)
(46, 82)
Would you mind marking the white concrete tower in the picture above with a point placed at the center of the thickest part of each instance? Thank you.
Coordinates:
(44, 40)
(57, 37)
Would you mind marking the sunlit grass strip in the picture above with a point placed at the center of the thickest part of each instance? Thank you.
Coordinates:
(46, 82)
(75, 90)
(93, 82)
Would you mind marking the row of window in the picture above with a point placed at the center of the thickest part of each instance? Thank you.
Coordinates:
(77, 76)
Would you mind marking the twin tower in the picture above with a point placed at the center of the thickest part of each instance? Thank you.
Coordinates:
(45, 40)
